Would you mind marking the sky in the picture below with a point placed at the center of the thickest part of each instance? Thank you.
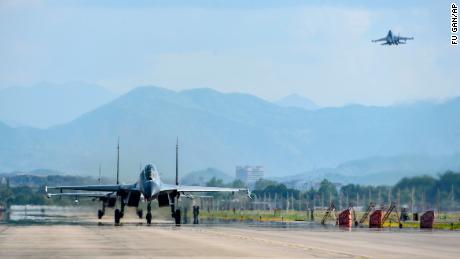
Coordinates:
(319, 49)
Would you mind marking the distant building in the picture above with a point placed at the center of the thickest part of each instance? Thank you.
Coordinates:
(249, 174)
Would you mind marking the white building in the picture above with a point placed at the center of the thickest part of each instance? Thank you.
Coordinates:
(249, 174)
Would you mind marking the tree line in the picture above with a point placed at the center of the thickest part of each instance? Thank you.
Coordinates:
(439, 192)
(418, 193)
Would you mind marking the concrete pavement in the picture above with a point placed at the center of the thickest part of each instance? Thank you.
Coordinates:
(166, 241)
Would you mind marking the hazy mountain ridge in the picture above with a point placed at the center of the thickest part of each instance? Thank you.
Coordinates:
(201, 177)
(381, 170)
(41, 180)
(295, 100)
(224, 130)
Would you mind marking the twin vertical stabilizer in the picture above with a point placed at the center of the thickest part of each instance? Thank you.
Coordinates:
(177, 161)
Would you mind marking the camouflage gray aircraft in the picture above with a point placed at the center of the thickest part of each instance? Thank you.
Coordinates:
(391, 39)
(149, 187)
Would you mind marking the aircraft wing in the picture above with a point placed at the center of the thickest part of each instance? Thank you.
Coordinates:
(196, 196)
(185, 188)
(382, 39)
(97, 188)
(80, 194)
(406, 38)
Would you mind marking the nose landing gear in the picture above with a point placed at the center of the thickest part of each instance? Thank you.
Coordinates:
(119, 213)
(148, 217)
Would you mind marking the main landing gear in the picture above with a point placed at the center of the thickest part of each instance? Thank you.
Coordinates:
(177, 217)
(139, 213)
(117, 216)
(119, 213)
(101, 212)
(175, 213)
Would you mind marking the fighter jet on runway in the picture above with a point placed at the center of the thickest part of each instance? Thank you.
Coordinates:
(149, 187)
(391, 39)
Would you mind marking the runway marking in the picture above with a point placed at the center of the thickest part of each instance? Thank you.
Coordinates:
(4, 229)
(112, 239)
(285, 244)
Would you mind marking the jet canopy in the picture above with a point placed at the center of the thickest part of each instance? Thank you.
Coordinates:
(150, 172)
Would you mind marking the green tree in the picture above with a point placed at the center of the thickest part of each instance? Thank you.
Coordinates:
(214, 182)
(237, 184)
(328, 190)
(261, 184)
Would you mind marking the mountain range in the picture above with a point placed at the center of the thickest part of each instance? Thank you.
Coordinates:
(375, 170)
(202, 177)
(222, 130)
(295, 100)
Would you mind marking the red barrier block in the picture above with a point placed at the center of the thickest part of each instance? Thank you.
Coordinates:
(375, 219)
(427, 219)
(345, 219)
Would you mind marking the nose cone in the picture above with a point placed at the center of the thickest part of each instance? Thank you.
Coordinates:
(151, 190)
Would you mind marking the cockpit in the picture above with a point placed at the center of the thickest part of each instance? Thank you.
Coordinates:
(150, 172)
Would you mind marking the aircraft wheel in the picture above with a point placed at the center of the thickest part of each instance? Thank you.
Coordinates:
(148, 217)
(177, 217)
(117, 216)
(100, 214)
(140, 213)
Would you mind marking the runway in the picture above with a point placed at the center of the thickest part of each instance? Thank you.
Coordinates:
(220, 241)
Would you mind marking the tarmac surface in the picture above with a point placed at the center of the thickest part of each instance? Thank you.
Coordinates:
(235, 240)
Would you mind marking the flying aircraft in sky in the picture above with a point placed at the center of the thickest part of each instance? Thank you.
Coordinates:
(148, 188)
(392, 39)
